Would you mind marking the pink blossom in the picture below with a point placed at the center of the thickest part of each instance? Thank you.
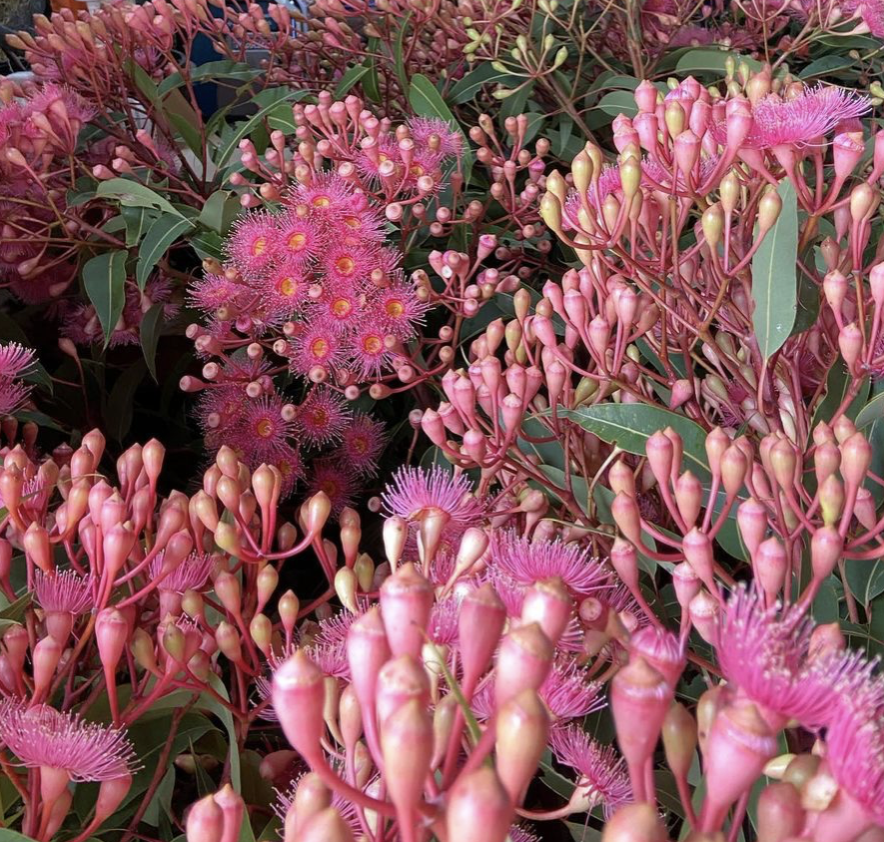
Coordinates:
(66, 591)
(602, 774)
(41, 736)
(335, 479)
(190, 575)
(323, 417)
(253, 243)
(414, 491)
(362, 443)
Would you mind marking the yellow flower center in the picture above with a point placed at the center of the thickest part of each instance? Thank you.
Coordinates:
(319, 348)
(259, 246)
(360, 444)
(297, 241)
(341, 308)
(352, 222)
(395, 309)
(321, 202)
(345, 265)
(372, 344)
(288, 287)
(416, 170)
(319, 417)
(264, 428)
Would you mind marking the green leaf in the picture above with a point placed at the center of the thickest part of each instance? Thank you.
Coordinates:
(104, 277)
(618, 102)
(156, 243)
(143, 82)
(427, 102)
(712, 61)
(231, 142)
(187, 128)
(14, 613)
(134, 195)
(399, 52)
(149, 329)
(472, 83)
(866, 579)
(351, 78)
(630, 425)
(826, 66)
(371, 83)
(774, 276)
(873, 411)
(219, 211)
(225, 69)
(137, 219)
(120, 401)
(227, 718)
(7, 835)
(208, 244)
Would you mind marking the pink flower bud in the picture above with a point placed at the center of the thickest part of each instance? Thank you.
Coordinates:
(479, 627)
(847, 149)
(626, 515)
(400, 681)
(395, 533)
(406, 603)
(856, 456)
(850, 342)
(299, 699)
(479, 808)
(407, 747)
(367, 651)
(640, 698)
(779, 812)
(717, 441)
(326, 826)
(826, 547)
(624, 560)
(682, 392)
(737, 750)
(783, 461)
(548, 604)
(646, 97)
(229, 591)
(522, 728)
(233, 808)
(734, 465)
(659, 450)
(621, 478)
(36, 545)
(205, 821)
(635, 823)
(687, 151)
(826, 460)
(688, 498)
(111, 633)
(698, 552)
(47, 654)
(110, 795)
(686, 582)
(864, 508)
(770, 565)
(704, 610)
(679, 739)
(752, 521)
(523, 662)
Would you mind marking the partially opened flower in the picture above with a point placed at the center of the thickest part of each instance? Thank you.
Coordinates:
(414, 492)
(191, 574)
(42, 737)
(64, 592)
(526, 562)
(603, 779)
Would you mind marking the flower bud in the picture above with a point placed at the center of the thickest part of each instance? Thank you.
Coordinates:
(686, 582)
(850, 343)
(831, 494)
(326, 826)
(479, 627)
(406, 602)
(640, 698)
(407, 747)
(548, 604)
(739, 745)
(770, 565)
(697, 549)
(479, 808)
(679, 739)
(523, 662)
(522, 727)
(752, 521)
(299, 701)
(826, 547)
(856, 456)
(205, 821)
(704, 610)
(779, 813)
(367, 652)
(635, 823)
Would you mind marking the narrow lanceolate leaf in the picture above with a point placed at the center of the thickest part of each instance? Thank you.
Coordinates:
(630, 425)
(104, 277)
(151, 324)
(774, 277)
(156, 243)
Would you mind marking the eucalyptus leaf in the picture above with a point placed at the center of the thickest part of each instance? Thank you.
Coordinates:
(104, 278)
(774, 276)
